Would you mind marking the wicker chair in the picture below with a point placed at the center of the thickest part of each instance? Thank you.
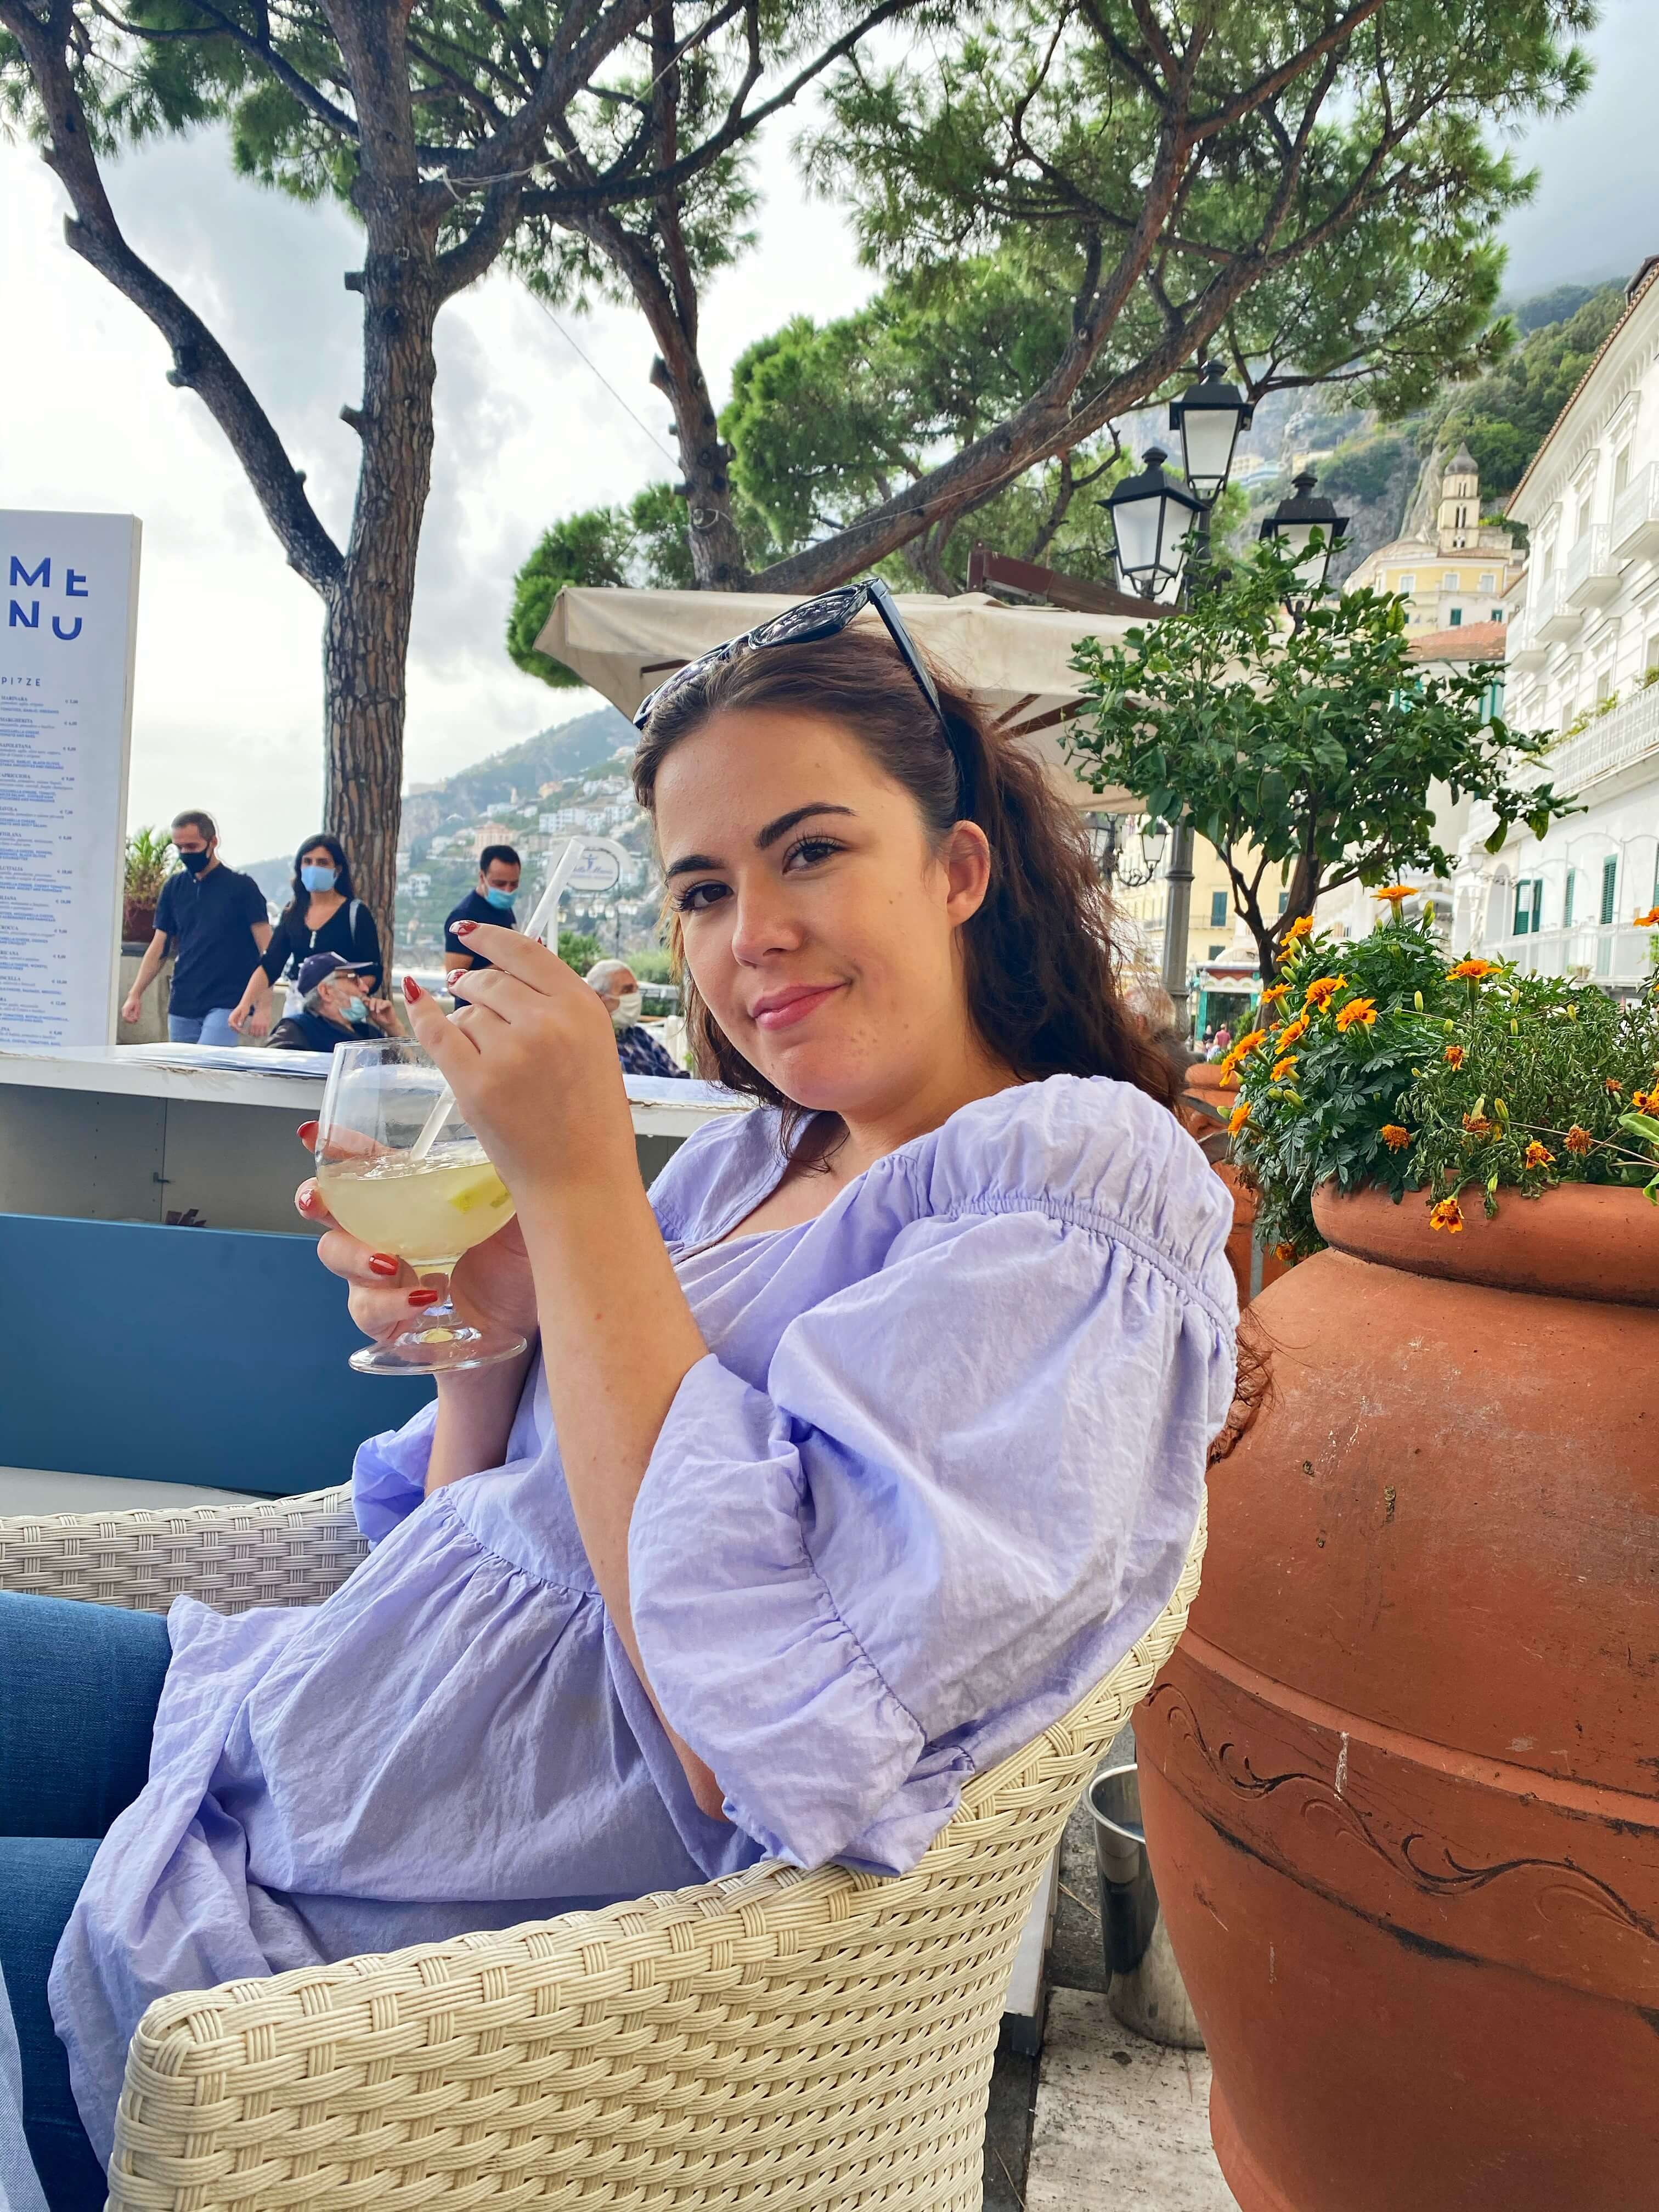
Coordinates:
(817, 2041)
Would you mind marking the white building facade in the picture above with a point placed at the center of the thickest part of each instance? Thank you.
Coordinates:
(1584, 661)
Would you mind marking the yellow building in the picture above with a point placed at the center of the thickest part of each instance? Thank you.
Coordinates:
(1459, 574)
(1213, 930)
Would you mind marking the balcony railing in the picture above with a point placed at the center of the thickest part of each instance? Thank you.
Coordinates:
(1609, 952)
(1626, 739)
(1589, 575)
(1553, 617)
(1634, 535)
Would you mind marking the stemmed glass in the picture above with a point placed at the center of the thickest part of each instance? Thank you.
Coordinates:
(427, 1208)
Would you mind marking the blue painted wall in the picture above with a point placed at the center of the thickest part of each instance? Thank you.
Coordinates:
(181, 1355)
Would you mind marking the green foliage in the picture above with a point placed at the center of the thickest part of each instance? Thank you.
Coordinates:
(1445, 1079)
(1314, 749)
(654, 965)
(1363, 468)
(579, 951)
(148, 862)
(643, 544)
(1505, 417)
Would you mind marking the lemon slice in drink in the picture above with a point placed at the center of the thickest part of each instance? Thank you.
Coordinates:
(484, 1186)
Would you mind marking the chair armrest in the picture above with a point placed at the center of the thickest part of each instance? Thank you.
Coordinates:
(290, 1551)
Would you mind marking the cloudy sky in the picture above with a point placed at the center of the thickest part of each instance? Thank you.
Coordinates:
(228, 688)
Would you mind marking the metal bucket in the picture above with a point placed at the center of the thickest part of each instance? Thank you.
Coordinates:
(1144, 1985)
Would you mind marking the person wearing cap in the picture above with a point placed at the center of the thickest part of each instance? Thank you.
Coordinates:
(335, 1010)
(637, 1050)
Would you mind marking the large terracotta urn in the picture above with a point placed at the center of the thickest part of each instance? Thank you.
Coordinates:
(1400, 1780)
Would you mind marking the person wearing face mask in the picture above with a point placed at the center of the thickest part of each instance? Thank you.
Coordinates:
(490, 900)
(323, 915)
(335, 1008)
(211, 917)
(637, 1050)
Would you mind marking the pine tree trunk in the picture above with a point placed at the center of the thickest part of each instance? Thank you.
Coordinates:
(717, 554)
(367, 627)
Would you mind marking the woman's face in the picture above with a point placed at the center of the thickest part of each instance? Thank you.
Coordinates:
(819, 928)
(319, 856)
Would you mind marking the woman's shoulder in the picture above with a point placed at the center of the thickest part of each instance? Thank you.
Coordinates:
(1091, 1152)
(703, 1188)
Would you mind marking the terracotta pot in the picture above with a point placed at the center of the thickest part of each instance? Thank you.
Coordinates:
(137, 919)
(1400, 1779)
(1204, 1111)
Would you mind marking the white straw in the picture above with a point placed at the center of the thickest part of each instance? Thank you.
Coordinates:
(544, 920)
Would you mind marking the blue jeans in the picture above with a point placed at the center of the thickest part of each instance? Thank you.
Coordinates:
(211, 1028)
(79, 1685)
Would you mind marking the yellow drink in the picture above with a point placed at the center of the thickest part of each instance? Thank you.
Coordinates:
(428, 1212)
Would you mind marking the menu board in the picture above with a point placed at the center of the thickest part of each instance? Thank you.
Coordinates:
(68, 611)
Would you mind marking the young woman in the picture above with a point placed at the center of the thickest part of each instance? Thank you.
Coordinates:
(324, 915)
(845, 1463)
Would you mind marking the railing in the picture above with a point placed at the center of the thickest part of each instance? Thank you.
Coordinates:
(1589, 571)
(1622, 739)
(1636, 510)
(1601, 952)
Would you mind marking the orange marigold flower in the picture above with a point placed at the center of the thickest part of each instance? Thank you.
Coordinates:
(1578, 1140)
(1472, 971)
(1617, 1088)
(1394, 1137)
(1539, 1156)
(1650, 920)
(1454, 1055)
(1301, 927)
(1228, 1078)
(1645, 1102)
(1238, 1117)
(1323, 990)
(1394, 893)
(1477, 1125)
(1274, 994)
(1248, 1043)
(1284, 1068)
(1358, 1014)
(1448, 1215)
(1285, 1253)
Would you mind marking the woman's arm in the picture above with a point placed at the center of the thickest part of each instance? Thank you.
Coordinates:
(532, 1060)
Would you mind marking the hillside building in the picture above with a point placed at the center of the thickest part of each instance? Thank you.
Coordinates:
(1583, 660)
(1457, 575)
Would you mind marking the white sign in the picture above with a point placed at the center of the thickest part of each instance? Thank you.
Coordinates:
(68, 612)
(602, 866)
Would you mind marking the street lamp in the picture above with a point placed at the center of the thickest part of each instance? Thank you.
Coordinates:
(1152, 515)
(1113, 858)
(1293, 524)
(1209, 416)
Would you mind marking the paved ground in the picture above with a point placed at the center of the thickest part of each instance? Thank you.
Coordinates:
(1104, 2121)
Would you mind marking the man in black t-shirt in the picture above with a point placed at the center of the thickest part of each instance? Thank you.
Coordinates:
(217, 924)
(490, 899)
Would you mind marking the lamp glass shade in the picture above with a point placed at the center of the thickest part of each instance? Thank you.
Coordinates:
(1209, 416)
(1154, 835)
(1150, 518)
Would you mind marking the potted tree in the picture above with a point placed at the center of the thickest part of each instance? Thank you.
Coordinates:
(1398, 1781)
(149, 864)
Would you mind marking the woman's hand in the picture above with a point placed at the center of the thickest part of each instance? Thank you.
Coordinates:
(241, 1015)
(531, 1056)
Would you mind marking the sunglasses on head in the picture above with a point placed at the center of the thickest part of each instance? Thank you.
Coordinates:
(826, 615)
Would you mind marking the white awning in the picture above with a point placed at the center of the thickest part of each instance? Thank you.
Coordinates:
(1016, 660)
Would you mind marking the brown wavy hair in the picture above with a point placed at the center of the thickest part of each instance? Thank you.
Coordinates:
(1041, 971)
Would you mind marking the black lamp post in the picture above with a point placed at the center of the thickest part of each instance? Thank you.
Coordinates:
(1209, 416)
(1308, 527)
(1152, 516)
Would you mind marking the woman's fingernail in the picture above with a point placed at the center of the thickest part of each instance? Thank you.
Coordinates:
(464, 928)
(306, 1197)
(424, 1297)
(382, 1263)
(308, 1135)
(411, 990)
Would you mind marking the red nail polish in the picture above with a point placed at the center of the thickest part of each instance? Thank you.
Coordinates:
(411, 990)
(464, 928)
(424, 1297)
(305, 1198)
(382, 1263)
(306, 1133)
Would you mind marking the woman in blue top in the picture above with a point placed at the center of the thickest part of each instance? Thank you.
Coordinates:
(924, 1356)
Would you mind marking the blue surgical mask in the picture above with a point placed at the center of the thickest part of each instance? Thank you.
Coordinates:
(502, 899)
(318, 879)
(356, 1011)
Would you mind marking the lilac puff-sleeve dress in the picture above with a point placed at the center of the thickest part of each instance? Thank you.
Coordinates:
(936, 1472)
